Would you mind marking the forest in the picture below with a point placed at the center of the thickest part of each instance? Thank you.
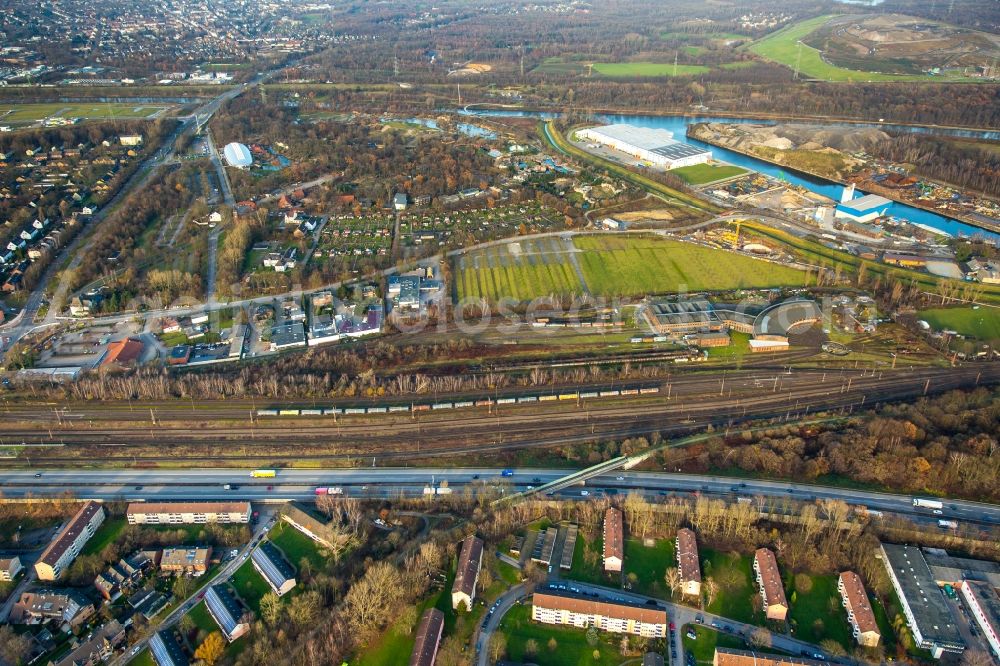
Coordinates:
(957, 163)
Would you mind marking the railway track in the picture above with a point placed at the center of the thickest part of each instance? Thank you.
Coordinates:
(469, 433)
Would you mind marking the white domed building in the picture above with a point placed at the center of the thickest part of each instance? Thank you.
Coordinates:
(237, 155)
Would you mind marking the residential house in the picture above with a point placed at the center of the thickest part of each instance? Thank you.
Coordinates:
(186, 560)
(180, 513)
(463, 590)
(614, 552)
(428, 638)
(67, 606)
(227, 612)
(558, 607)
(56, 558)
(100, 645)
(305, 523)
(10, 567)
(859, 609)
(271, 565)
(772, 591)
(687, 563)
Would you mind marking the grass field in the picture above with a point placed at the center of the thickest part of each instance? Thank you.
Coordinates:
(983, 324)
(571, 647)
(733, 573)
(632, 266)
(500, 272)
(250, 585)
(703, 647)
(816, 614)
(647, 566)
(783, 47)
(584, 571)
(739, 64)
(297, 546)
(699, 174)
(628, 69)
(27, 113)
(105, 535)
(144, 658)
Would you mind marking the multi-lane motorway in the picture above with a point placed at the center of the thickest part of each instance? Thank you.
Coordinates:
(208, 484)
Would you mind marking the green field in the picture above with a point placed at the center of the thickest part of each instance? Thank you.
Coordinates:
(703, 647)
(497, 273)
(571, 647)
(144, 658)
(783, 47)
(734, 575)
(739, 64)
(105, 535)
(645, 566)
(584, 571)
(628, 69)
(982, 324)
(699, 174)
(27, 113)
(297, 546)
(251, 586)
(620, 265)
(816, 614)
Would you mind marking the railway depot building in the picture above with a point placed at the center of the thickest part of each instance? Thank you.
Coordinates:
(927, 611)
(463, 590)
(187, 513)
(61, 552)
(557, 607)
(772, 591)
(657, 147)
(859, 609)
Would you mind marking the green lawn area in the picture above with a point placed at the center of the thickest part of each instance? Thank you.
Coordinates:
(703, 647)
(734, 575)
(583, 571)
(817, 614)
(699, 174)
(627, 69)
(106, 534)
(648, 566)
(250, 585)
(173, 339)
(296, 545)
(559, 65)
(619, 265)
(983, 324)
(508, 574)
(734, 353)
(571, 649)
(783, 47)
(201, 618)
(26, 113)
(739, 64)
(519, 278)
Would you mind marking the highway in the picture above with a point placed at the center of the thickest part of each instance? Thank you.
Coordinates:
(299, 484)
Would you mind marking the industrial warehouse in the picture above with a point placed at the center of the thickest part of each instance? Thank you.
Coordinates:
(657, 147)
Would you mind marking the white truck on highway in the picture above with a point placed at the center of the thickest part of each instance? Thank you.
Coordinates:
(927, 503)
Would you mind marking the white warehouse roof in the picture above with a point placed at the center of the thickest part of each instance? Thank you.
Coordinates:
(237, 155)
(646, 138)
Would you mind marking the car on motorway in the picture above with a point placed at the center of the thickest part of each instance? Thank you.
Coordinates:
(938, 512)
(38, 475)
(270, 487)
(138, 487)
(619, 478)
(584, 493)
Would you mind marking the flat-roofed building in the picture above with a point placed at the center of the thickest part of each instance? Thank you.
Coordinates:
(10, 566)
(463, 590)
(652, 659)
(859, 609)
(927, 611)
(190, 561)
(984, 603)
(949, 569)
(428, 638)
(307, 524)
(729, 657)
(557, 607)
(166, 650)
(57, 557)
(187, 513)
(614, 549)
(655, 146)
(227, 612)
(687, 563)
(772, 592)
(270, 563)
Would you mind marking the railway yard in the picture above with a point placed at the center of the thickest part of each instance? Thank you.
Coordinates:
(296, 434)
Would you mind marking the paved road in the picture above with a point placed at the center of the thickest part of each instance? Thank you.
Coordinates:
(300, 484)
